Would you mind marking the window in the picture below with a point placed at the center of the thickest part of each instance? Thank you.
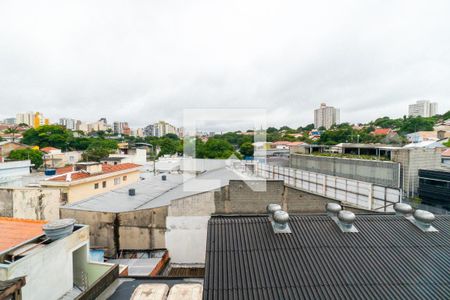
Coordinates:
(116, 181)
(104, 184)
(96, 186)
(124, 178)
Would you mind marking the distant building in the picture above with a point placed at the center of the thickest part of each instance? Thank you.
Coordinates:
(9, 121)
(434, 187)
(40, 120)
(326, 116)
(121, 128)
(70, 124)
(25, 118)
(161, 128)
(423, 108)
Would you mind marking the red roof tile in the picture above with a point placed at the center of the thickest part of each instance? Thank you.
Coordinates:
(105, 168)
(446, 153)
(382, 131)
(17, 231)
(48, 149)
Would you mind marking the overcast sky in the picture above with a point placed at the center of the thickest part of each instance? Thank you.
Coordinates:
(143, 61)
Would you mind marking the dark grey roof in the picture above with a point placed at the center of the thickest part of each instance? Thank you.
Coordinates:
(389, 258)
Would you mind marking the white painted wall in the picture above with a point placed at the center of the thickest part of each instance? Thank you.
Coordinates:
(186, 239)
(48, 271)
(9, 170)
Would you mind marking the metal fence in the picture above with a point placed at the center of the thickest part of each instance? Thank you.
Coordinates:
(356, 193)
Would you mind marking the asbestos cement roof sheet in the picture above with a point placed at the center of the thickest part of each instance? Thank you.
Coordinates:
(389, 258)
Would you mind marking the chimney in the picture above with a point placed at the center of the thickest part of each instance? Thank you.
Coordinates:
(423, 219)
(131, 192)
(403, 209)
(280, 222)
(271, 209)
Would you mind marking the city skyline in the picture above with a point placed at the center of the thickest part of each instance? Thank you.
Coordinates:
(172, 57)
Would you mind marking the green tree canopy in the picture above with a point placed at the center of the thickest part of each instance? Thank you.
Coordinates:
(24, 154)
(247, 149)
(47, 135)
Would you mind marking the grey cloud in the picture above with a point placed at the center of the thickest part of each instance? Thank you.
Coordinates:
(147, 61)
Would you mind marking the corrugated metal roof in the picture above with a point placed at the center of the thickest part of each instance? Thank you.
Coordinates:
(154, 192)
(389, 258)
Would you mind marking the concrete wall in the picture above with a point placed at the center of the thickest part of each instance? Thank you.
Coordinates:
(186, 239)
(253, 196)
(143, 229)
(140, 229)
(49, 270)
(411, 161)
(101, 227)
(385, 173)
(30, 203)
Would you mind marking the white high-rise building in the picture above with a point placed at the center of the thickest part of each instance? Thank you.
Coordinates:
(326, 116)
(25, 118)
(70, 124)
(423, 108)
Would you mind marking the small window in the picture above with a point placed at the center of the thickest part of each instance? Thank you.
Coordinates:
(116, 181)
(124, 178)
(104, 184)
(96, 186)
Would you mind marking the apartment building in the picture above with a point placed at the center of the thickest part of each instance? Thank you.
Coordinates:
(121, 128)
(160, 129)
(25, 118)
(423, 108)
(326, 116)
(70, 124)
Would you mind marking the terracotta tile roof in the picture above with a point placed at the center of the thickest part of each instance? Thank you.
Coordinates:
(382, 131)
(446, 153)
(16, 231)
(64, 170)
(81, 175)
(48, 149)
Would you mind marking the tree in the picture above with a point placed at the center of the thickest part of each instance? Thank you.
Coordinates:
(172, 136)
(414, 124)
(247, 149)
(12, 130)
(48, 135)
(309, 127)
(99, 149)
(217, 148)
(168, 146)
(24, 154)
(271, 130)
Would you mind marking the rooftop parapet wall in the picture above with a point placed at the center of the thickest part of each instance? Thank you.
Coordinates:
(383, 173)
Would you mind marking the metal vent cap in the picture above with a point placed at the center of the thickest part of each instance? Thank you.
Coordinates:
(281, 217)
(424, 216)
(346, 217)
(333, 208)
(272, 208)
(403, 208)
